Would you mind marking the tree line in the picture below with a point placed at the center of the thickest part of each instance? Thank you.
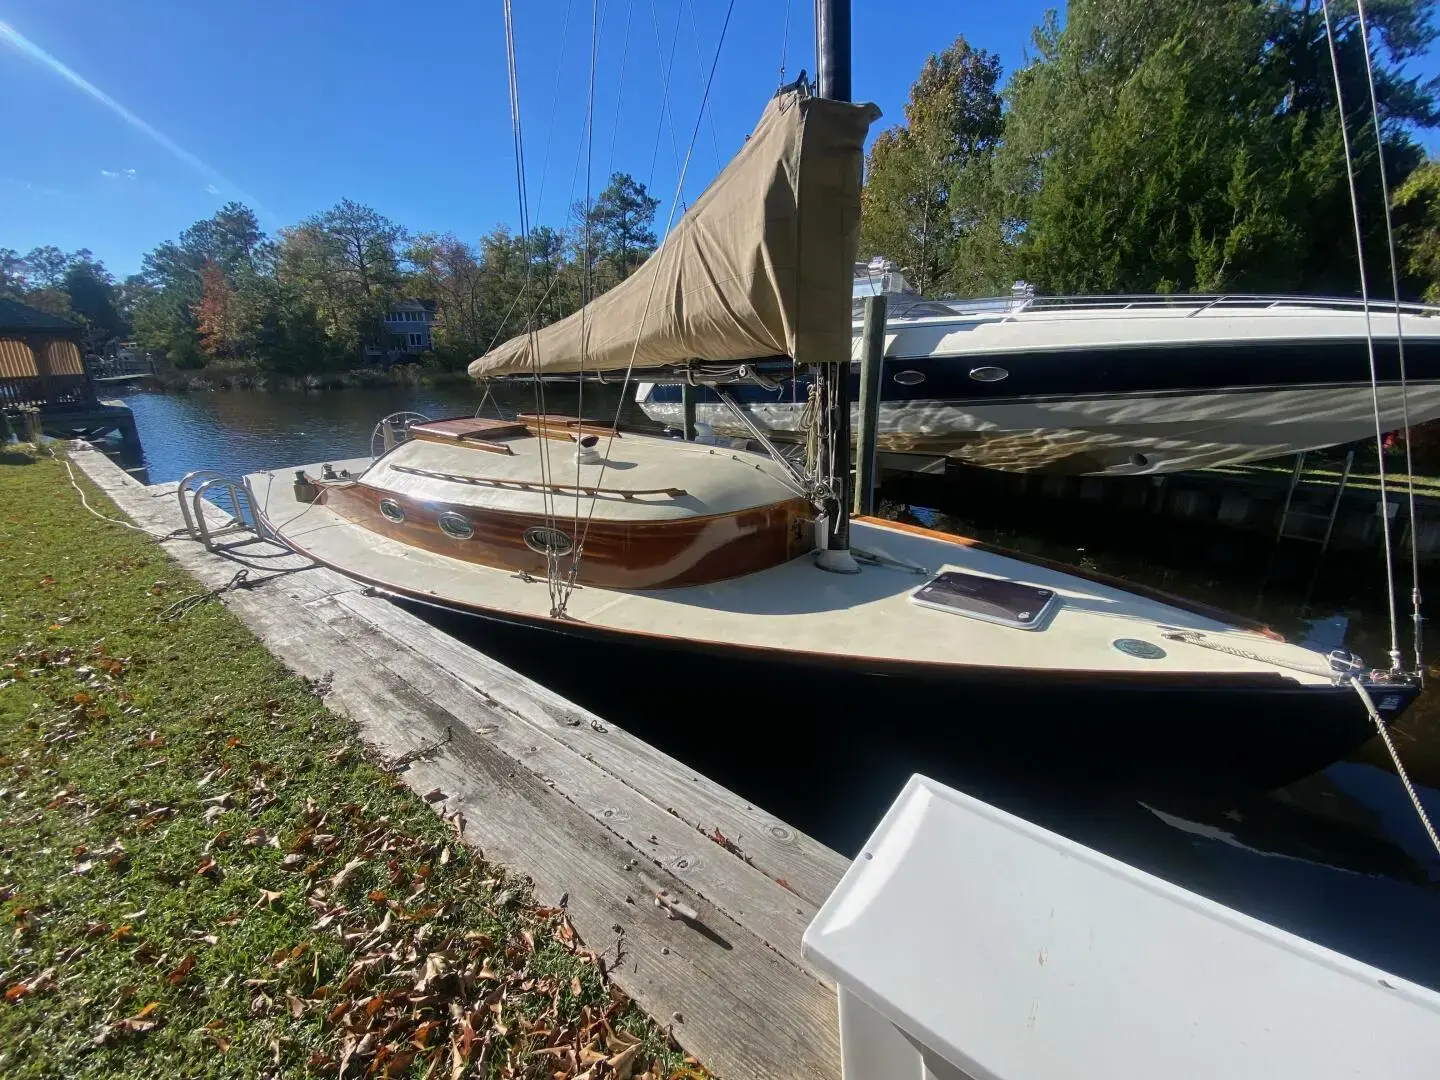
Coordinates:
(313, 297)
(1145, 146)
(1163, 146)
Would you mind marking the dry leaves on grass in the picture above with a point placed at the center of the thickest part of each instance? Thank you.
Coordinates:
(422, 990)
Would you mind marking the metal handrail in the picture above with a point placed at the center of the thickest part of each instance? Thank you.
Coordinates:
(191, 491)
(1207, 301)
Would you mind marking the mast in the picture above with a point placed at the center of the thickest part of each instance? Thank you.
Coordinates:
(832, 63)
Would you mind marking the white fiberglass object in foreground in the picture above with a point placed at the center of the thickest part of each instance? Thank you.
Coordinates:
(969, 943)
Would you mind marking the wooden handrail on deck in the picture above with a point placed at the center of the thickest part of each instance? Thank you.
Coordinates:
(528, 485)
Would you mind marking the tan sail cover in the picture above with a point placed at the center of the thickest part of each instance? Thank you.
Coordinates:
(761, 265)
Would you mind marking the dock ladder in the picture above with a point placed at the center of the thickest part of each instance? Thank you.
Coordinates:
(195, 507)
(1293, 520)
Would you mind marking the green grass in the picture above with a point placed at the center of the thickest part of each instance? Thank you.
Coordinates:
(202, 874)
(1322, 467)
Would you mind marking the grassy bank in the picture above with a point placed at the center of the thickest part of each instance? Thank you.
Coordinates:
(203, 874)
(248, 378)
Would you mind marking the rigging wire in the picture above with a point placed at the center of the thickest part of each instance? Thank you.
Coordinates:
(579, 548)
(547, 492)
(620, 87)
(589, 261)
(1369, 340)
(1399, 330)
(700, 61)
(554, 103)
(785, 41)
(665, 113)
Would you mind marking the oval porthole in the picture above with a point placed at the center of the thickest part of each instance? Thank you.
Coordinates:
(1140, 650)
(989, 374)
(391, 510)
(547, 541)
(455, 526)
(910, 377)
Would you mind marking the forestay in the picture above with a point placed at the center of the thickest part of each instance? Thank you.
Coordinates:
(760, 266)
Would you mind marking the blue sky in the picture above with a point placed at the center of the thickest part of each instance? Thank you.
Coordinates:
(141, 116)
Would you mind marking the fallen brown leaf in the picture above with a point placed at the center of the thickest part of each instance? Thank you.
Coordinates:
(176, 977)
(339, 880)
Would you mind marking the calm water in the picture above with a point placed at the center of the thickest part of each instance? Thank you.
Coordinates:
(1338, 858)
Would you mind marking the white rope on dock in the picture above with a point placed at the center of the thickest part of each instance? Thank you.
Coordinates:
(1384, 731)
(103, 517)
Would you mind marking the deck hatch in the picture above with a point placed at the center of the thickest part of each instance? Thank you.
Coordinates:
(1009, 603)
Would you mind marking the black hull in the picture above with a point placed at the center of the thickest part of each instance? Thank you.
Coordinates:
(736, 714)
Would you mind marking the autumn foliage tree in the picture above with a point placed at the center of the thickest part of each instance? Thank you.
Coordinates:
(215, 312)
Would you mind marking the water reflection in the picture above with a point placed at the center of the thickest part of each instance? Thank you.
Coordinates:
(242, 431)
(1338, 858)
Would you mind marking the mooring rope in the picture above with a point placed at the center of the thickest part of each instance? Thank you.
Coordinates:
(1384, 732)
(186, 604)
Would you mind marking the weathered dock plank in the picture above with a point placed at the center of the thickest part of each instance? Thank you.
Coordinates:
(809, 869)
(592, 815)
(655, 837)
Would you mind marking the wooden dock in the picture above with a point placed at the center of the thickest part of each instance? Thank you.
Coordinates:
(595, 817)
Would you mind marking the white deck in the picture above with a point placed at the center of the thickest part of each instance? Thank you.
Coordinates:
(1009, 952)
(1049, 329)
(798, 607)
(714, 481)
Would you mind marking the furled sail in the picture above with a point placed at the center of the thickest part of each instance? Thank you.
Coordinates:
(760, 266)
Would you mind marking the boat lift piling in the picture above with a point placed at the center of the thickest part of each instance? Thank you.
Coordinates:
(872, 365)
(687, 403)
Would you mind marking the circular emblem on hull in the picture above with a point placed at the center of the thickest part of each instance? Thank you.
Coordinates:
(1141, 650)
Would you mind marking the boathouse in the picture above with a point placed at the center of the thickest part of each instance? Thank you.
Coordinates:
(44, 377)
(40, 359)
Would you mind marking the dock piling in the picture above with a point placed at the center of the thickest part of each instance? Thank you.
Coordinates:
(872, 364)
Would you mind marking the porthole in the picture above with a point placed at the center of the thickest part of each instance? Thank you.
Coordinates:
(989, 374)
(910, 377)
(455, 526)
(391, 510)
(548, 541)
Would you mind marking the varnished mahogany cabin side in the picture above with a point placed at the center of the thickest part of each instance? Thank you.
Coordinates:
(623, 553)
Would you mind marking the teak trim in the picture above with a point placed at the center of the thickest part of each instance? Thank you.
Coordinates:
(528, 485)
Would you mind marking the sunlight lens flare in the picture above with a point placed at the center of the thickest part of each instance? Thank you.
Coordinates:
(18, 41)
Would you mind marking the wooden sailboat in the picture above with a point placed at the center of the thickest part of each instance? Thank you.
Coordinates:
(735, 569)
